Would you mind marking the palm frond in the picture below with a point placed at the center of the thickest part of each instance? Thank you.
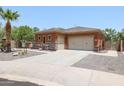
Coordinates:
(15, 15)
(1, 10)
(9, 15)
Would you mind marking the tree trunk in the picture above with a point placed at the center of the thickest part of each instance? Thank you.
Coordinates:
(121, 45)
(8, 36)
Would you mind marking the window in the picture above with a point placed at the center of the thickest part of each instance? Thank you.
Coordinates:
(49, 37)
(39, 37)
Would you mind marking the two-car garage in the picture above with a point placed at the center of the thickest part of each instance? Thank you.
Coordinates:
(81, 42)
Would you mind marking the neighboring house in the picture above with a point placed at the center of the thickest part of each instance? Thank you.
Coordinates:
(79, 38)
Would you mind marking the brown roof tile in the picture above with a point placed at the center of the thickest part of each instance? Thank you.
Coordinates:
(70, 30)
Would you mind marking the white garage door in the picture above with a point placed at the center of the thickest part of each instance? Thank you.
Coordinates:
(81, 42)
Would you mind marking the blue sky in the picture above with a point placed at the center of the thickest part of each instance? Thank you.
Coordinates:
(47, 17)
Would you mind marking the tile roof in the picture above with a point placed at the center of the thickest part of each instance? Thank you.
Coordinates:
(80, 29)
(69, 30)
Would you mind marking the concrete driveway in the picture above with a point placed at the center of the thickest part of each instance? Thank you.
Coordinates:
(55, 68)
(60, 57)
(63, 57)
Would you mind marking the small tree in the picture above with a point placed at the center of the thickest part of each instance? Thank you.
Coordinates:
(1, 33)
(36, 29)
(23, 34)
(15, 36)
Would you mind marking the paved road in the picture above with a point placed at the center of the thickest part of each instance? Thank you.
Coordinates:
(6, 82)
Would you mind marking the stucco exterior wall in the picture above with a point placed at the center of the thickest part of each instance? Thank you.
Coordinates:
(60, 42)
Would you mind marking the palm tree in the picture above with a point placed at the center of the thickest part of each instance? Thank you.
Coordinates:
(8, 16)
(120, 39)
(110, 35)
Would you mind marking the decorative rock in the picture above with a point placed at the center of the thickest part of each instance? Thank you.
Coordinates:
(15, 54)
(13, 49)
(40, 49)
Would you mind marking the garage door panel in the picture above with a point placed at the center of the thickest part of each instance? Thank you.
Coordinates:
(81, 42)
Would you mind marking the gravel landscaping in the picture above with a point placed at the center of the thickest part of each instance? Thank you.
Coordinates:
(103, 63)
(9, 56)
(6, 82)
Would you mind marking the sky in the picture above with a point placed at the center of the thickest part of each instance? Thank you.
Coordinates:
(45, 17)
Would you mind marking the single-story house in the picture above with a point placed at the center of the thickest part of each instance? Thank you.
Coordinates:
(76, 38)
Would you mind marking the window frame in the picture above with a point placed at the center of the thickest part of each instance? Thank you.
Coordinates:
(39, 37)
(49, 37)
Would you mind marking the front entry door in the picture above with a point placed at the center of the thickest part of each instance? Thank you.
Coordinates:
(44, 41)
